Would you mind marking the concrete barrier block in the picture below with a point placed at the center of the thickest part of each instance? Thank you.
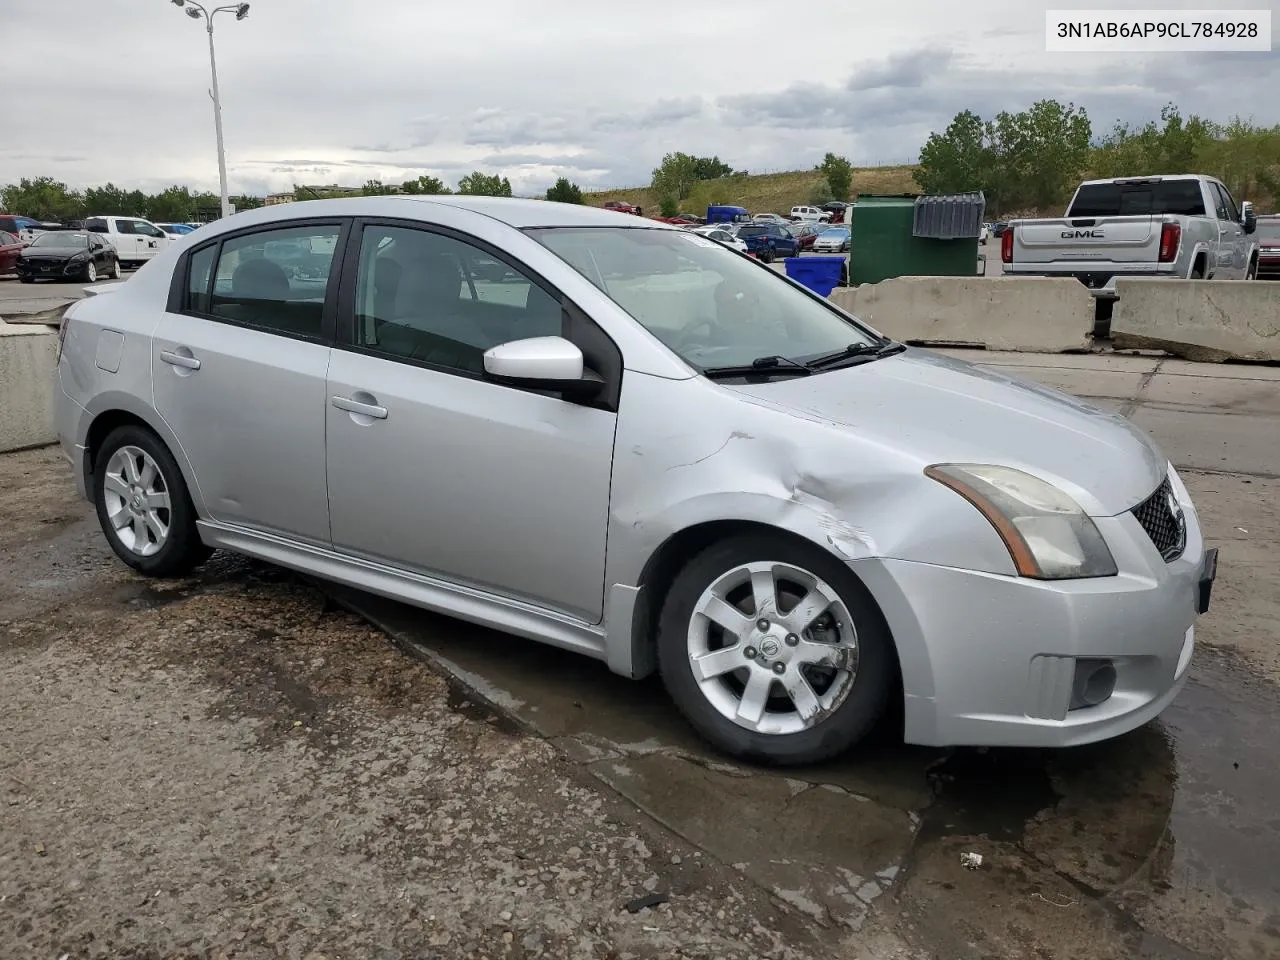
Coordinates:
(1207, 320)
(1029, 314)
(28, 361)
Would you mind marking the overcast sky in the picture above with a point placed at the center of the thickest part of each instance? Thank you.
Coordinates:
(321, 91)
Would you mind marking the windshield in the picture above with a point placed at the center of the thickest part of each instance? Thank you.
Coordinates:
(835, 232)
(1268, 230)
(711, 306)
(61, 240)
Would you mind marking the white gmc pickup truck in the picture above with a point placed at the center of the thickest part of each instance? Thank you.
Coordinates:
(1186, 226)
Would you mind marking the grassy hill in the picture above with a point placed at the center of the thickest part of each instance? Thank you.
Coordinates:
(766, 192)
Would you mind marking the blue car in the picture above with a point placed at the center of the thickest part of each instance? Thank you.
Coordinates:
(768, 241)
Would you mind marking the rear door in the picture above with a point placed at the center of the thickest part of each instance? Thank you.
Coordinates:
(1233, 242)
(239, 365)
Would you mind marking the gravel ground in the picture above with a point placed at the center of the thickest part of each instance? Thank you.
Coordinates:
(229, 767)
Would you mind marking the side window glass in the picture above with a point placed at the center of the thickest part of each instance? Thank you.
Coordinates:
(150, 230)
(96, 226)
(1233, 212)
(197, 298)
(1219, 202)
(125, 227)
(276, 279)
(424, 296)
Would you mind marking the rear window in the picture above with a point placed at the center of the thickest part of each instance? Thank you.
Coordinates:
(1181, 197)
(752, 231)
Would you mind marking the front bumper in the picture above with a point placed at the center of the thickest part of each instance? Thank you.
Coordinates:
(990, 660)
(50, 269)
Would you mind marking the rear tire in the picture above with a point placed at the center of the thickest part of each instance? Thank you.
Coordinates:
(143, 505)
(805, 688)
(116, 270)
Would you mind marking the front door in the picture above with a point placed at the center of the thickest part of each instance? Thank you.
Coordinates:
(239, 376)
(435, 470)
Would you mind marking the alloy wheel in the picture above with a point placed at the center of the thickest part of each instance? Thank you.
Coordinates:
(137, 501)
(772, 647)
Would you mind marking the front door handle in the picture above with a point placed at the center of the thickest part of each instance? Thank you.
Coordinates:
(364, 409)
(179, 360)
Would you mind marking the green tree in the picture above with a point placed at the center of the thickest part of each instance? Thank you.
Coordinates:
(1172, 146)
(821, 193)
(1243, 156)
(42, 198)
(376, 188)
(565, 192)
(710, 168)
(673, 180)
(424, 186)
(205, 201)
(956, 160)
(839, 174)
(479, 184)
(108, 200)
(172, 205)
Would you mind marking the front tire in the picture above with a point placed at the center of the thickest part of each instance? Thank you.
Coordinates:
(91, 273)
(774, 651)
(143, 505)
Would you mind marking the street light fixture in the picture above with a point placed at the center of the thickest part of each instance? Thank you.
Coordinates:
(196, 12)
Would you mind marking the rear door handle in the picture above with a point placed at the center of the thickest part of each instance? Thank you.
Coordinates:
(179, 360)
(364, 409)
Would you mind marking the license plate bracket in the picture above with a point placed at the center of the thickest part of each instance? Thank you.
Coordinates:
(1208, 573)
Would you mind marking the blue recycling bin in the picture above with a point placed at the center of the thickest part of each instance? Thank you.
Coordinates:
(819, 274)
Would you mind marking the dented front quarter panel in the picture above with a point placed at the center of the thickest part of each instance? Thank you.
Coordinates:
(690, 452)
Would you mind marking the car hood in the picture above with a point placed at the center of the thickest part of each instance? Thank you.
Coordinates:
(32, 254)
(938, 410)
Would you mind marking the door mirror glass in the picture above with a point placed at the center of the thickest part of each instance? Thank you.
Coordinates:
(1248, 217)
(542, 363)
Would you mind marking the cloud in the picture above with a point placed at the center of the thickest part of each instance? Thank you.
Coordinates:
(321, 89)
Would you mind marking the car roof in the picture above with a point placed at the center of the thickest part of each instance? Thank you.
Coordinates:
(514, 212)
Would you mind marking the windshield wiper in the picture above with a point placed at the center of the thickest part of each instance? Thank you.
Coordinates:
(857, 351)
(761, 366)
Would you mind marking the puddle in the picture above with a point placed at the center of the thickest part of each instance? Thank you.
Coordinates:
(991, 793)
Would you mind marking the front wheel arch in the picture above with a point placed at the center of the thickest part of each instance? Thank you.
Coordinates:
(659, 572)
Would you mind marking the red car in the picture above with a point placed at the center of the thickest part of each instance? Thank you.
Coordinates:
(806, 233)
(1268, 234)
(620, 207)
(10, 247)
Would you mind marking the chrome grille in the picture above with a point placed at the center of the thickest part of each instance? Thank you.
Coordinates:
(1162, 519)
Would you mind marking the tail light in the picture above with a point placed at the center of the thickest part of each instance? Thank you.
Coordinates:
(1170, 239)
(1006, 245)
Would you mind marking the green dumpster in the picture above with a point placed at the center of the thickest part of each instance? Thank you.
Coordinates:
(909, 235)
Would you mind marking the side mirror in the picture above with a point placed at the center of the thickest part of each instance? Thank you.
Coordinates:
(542, 363)
(1248, 216)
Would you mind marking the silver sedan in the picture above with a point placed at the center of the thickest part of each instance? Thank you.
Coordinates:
(627, 441)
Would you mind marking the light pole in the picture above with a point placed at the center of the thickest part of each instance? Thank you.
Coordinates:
(195, 11)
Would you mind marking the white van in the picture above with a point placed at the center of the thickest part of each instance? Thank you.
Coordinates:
(809, 214)
(135, 239)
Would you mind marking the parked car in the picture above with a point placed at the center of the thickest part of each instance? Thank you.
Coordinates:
(24, 228)
(1178, 227)
(10, 247)
(771, 218)
(1268, 235)
(838, 210)
(68, 255)
(999, 227)
(722, 233)
(176, 231)
(699, 482)
(805, 232)
(135, 239)
(833, 240)
(621, 207)
(768, 241)
(809, 213)
(985, 233)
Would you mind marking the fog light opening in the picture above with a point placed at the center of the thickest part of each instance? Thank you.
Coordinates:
(1095, 682)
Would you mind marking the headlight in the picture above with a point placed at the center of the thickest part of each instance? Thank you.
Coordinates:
(1048, 536)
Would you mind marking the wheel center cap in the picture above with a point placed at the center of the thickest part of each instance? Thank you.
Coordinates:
(769, 647)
